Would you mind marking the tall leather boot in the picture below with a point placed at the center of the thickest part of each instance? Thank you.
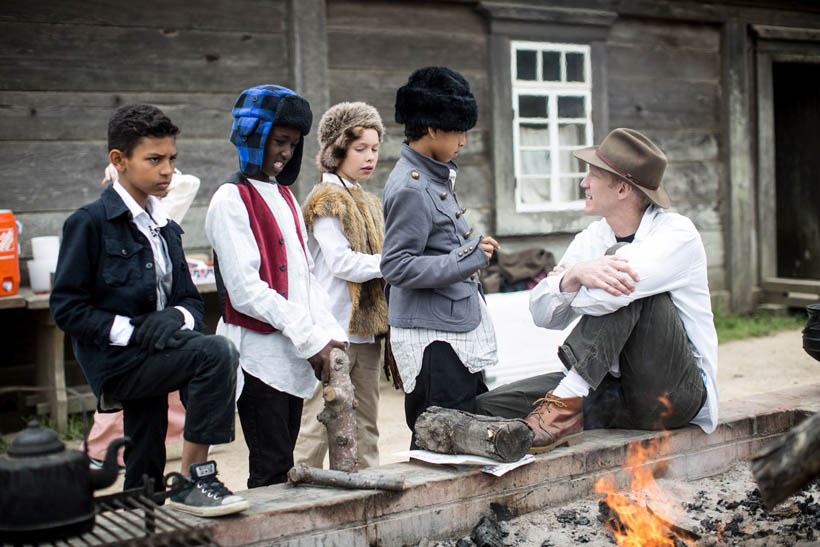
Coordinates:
(556, 421)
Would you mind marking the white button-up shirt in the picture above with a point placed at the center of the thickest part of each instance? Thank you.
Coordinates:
(303, 320)
(668, 256)
(336, 263)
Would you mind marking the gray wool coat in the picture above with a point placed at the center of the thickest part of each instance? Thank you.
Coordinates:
(430, 256)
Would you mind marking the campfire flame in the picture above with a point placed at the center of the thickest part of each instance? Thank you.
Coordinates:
(636, 526)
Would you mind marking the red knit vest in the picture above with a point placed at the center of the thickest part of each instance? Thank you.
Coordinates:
(273, 266)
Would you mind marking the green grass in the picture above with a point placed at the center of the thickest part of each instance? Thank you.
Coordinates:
(761, 323)
(74, 431)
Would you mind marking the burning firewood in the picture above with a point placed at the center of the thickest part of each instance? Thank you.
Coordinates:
(339, 415)
(449, 431)
(789, 463)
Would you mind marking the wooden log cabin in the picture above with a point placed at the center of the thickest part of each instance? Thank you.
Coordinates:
(728, 89)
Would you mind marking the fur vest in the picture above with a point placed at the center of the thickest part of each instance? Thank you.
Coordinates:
(360, 214)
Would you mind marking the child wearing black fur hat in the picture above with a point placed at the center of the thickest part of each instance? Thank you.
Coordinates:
(441, 335)
(274, 309)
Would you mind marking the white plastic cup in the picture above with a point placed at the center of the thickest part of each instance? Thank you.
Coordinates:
(45, 247)
(40, 273)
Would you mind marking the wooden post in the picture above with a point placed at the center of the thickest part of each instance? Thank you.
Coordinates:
(49, 365)
(789, 463)
(450, 431)
(339, 415)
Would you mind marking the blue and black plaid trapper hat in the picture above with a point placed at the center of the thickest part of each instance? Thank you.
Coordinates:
(257, 110)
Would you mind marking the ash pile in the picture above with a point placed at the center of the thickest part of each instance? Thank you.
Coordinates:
(724, 510)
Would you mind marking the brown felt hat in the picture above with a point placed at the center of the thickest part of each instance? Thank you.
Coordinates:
(633, 157)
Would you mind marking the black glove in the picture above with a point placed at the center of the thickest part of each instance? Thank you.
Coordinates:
(154, 329)
(181, 337)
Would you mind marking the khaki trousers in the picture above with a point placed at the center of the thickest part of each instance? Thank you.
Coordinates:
(365, 372)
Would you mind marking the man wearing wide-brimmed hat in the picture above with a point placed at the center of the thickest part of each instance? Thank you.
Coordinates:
(644, 353)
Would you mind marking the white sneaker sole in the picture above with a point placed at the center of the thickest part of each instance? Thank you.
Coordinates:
(213, 511)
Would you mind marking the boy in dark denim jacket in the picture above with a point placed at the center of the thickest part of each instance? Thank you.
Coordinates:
(123, 292)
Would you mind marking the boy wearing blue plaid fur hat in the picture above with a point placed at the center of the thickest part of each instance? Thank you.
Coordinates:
(273, 308)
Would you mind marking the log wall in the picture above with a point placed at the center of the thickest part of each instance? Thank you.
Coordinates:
(373, 47)
(65, 66)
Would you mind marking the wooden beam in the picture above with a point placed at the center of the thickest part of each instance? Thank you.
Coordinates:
(307, 65)
(772, 32)
(742, 239)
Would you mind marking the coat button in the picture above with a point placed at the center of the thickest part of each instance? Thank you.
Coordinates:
(443, 195)
(415, 174)
(471, 247)
(149, 265)
(282, 268)
(244, 139)
(254, 99)
(281, 241)
(124, 252)
(467, 234)
(283, 294)
(461, 253)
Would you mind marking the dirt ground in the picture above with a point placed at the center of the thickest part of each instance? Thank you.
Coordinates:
(745, 367)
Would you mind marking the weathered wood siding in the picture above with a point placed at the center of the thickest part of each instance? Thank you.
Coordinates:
(664, 79)
(372, 49)
(65, 66)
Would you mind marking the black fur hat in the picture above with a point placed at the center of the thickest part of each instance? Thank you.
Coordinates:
(437, 97)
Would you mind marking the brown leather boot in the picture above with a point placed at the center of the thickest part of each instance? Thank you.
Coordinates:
(556, 421)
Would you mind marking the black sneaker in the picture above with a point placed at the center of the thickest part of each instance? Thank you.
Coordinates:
(205, 496)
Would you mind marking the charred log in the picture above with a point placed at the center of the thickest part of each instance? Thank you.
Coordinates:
(450, 431)
(789, 463)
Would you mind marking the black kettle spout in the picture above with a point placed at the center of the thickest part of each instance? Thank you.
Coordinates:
(102, 478)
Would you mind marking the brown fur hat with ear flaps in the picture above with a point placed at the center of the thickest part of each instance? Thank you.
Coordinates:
(337, 130)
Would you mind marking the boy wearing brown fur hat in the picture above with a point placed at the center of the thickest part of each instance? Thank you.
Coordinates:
(440, 333)
(346, 233)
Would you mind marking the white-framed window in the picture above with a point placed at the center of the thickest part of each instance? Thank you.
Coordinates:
(551, 93)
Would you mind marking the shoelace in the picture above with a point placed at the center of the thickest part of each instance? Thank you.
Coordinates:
(549, 399)
(215, 488)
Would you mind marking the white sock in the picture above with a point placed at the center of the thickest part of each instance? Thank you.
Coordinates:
(573, 385)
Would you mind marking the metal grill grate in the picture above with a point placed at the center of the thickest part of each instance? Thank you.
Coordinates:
(133, 518)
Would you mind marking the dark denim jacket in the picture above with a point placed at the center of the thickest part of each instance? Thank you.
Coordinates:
(106, 268)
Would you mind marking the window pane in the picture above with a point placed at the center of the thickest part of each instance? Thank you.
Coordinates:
(535, 190)
(569, 163)
(575, 67)
(535, 162)
(531, 134)
(551, 69)
(532, 106)
(572, 134)
(571, 107)
(525, 64)
(570, 189)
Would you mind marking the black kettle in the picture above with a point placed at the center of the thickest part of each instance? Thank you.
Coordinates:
(47, 490)
(811, 334)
